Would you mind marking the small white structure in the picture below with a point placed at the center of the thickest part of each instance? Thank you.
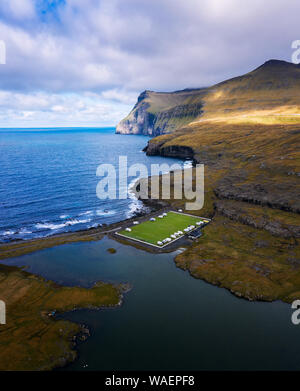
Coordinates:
(164, 214)
(168, 239)
(152, 219)
(135, 222)
(159, 243)
(128, 229)
(179, 210)
(192, 226)
(180, 232)
(199, 223)
(161, 216)
(173, 236)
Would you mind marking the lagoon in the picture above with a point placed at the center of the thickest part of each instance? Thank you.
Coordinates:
(168, 320)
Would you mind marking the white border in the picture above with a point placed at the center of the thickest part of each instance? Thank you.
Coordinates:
(187, 214)
(174, 240)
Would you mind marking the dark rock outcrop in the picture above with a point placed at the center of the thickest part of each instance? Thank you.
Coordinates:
(236, 212)
(277, 196)
(177, 151)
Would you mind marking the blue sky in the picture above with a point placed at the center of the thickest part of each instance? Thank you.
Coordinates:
(83, 62)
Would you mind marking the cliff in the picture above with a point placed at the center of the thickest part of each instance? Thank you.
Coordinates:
(157, 113)
(275, 85)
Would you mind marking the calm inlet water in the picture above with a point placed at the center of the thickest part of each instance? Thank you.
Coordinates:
(168, 320)
(48, 179)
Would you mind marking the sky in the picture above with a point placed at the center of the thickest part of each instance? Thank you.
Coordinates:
(84, 62)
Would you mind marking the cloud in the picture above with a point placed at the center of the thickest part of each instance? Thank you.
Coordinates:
(49, 109)
(116, 49)
(17, 9)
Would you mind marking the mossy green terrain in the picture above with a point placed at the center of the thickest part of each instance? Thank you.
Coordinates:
(17, 248)
(250, 262)
(249, 140)
(33, 340)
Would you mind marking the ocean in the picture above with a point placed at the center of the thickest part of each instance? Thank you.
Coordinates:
(48, 179)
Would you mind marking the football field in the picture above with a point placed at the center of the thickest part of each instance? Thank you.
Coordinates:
(164, 229)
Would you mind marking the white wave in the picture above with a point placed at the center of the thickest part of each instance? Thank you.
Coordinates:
(82, 221)
(49, 226)
(88, 212)
(7, 233)
(95, 225)
(135, 204)
(25, 231)
(67, 223)
(63, 216)
(101, 212)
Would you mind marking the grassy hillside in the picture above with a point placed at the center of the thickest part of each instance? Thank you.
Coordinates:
(249, 140)
(252, 192)
(271, 89)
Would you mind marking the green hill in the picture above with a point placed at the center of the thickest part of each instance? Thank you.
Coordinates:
(247, 133)
(271, 89)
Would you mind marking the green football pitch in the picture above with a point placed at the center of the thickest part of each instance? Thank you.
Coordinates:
(162, 228)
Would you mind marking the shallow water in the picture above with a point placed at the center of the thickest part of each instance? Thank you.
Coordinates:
(168, 320)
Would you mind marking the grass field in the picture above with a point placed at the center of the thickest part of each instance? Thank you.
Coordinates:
(154, 231)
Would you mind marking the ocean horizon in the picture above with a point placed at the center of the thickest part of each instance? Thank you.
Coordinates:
(58, 128)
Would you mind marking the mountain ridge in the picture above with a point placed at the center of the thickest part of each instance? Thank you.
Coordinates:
(248, 139)
(271, 86)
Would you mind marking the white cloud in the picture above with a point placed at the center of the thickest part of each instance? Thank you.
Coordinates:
(18, 9)
(115, 49)
(48, 109)
(120, 96)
